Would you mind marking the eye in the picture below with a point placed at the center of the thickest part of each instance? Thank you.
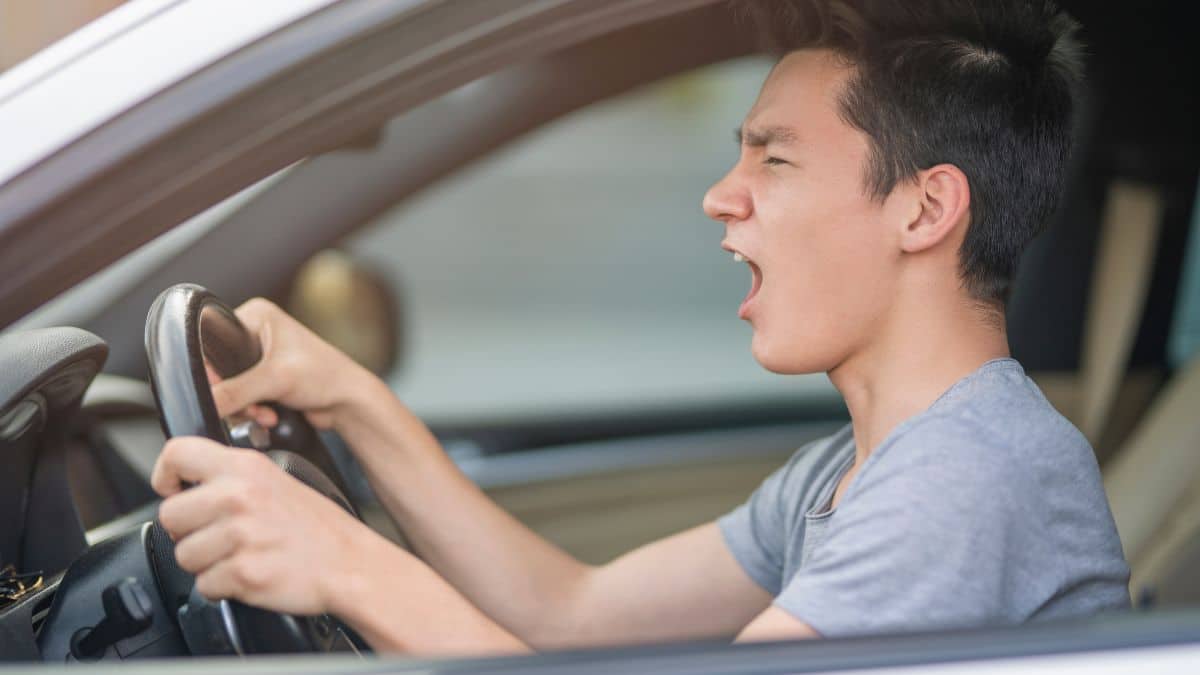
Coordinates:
(774, 161)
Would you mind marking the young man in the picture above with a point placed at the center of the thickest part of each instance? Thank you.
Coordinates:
(891, 171)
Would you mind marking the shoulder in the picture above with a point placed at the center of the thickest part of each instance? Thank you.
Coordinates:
(939, 464)
(937, 444)
(996, 437)
(996, 420)
(1002, 405)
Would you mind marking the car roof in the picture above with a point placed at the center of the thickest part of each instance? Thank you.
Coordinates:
(120, 60)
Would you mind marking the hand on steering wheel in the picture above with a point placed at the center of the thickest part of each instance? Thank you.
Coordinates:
(250, 532)
(297, 369)
(257, 533)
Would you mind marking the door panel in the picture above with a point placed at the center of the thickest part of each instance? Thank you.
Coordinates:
(597, 518)
(601, 499)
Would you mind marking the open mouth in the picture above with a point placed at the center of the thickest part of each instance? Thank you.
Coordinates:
(755, 283)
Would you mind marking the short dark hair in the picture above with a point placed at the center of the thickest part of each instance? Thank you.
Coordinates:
(986, 85)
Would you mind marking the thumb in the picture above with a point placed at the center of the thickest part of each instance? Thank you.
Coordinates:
(237, 393)
(244, 390)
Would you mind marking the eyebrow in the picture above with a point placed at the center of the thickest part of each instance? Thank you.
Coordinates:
(757, 138)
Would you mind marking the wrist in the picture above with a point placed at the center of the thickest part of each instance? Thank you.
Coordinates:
(399, 604)
(360, 392)
(377, 426)
(348, 593)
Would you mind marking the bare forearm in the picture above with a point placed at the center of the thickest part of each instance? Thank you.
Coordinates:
(400, 605)
(500, 569)
(686, 586)
(523, 582)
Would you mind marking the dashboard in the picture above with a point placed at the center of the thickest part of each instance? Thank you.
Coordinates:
(61, 478)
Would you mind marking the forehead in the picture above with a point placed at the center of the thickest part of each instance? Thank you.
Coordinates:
(802, 92)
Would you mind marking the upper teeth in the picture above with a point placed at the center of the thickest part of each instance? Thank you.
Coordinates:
(738, 257)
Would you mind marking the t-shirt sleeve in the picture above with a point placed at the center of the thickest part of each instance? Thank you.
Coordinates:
(918, 541)
(755, 532)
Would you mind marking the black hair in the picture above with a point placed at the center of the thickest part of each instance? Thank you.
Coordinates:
(986, 85)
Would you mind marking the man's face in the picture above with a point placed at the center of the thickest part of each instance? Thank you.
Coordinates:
(821, 256)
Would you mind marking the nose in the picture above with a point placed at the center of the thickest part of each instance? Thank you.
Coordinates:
(727, 200)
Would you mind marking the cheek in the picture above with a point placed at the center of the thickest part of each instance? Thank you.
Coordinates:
(827, 287)
(806, 327)
(828, 255)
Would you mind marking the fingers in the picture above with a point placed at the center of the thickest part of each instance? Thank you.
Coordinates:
(264, 415)
(235, 577)
(204, 548)
(293, 358)
(318, 418)
(261, 414)
(188, 459)
(216, 583)
(213, 377)
(262, 381)
(244, 390)
(256, 314)
(184, 513)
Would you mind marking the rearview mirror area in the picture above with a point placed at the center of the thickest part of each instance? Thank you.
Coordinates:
(350, 306)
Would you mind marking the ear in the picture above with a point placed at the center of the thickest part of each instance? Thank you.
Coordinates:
(943, 198)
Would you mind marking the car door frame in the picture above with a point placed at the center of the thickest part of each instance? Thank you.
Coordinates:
(314, 85)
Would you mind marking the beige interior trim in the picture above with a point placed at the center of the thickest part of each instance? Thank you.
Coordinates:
(1161, 561)
(1120, 281)
(1133, 397)
(1061, 388)
(599, 517)
(1148, 481)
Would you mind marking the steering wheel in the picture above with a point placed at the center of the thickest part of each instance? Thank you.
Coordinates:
(188, 326)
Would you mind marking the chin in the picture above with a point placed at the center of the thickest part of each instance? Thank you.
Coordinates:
(793, 358)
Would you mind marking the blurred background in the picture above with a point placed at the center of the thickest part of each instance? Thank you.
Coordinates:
(518, 265)
(581, 245)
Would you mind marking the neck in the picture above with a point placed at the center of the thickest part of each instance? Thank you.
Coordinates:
(922, 349)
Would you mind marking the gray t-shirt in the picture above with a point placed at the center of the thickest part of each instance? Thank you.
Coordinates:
(986, 508)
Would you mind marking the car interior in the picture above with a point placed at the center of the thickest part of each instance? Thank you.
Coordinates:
(614, 441)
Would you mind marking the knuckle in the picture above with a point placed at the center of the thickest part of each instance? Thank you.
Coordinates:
(234, 499)
(208, 586)
(241, 533)
(170, 453)
(222, 395)
(241, 461)
(254, 493)
(167, 515)
(259, 305)
(290, 367)
(245, 574)
(185, 556)
(250, 464)
(256, 460)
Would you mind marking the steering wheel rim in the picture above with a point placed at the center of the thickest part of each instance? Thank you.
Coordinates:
(186, 324)
(173, 336)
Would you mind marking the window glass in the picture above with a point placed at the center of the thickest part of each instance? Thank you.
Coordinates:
(574, 272)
